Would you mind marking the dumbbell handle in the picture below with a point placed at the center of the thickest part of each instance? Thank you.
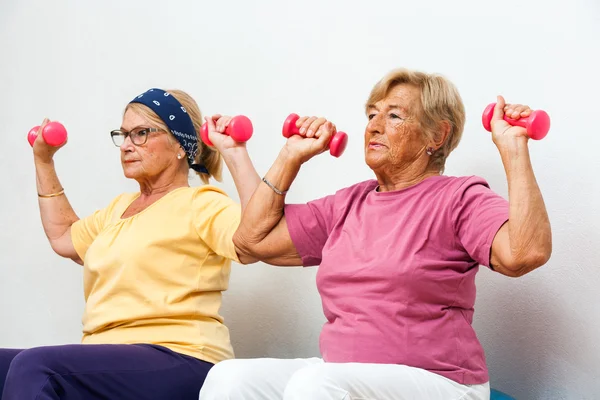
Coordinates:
(239, 128)
(337, 143)
(537, 123)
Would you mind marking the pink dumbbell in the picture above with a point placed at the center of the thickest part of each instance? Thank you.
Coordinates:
(537, 123)
(239, 128)
(337, 144)
(54, 133)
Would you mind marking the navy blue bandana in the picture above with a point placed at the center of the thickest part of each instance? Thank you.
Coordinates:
(175, 116)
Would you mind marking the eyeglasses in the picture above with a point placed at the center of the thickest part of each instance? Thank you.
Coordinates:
(138, 136)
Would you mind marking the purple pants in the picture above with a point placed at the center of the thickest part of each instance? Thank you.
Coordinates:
(88, 372)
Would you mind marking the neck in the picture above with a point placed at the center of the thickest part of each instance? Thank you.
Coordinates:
(403, 178)
(158, 187)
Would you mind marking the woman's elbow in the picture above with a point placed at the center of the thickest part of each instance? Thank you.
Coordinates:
(63, 247)
(531, 261)
(542, 253)
(247, 251)
(244, 252)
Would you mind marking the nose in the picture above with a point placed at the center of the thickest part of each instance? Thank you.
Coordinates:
(374, 126)
(127, 145)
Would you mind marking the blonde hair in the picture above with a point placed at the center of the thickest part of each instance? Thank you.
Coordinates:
(207, 156)
(440, 101)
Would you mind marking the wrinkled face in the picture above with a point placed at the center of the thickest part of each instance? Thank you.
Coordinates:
(392, 136)
(148, 160)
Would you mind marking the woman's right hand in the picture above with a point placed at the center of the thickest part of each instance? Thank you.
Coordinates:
(42, 151)
(314, 138)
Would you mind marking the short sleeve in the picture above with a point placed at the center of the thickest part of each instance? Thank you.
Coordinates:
(216, 218)
(309, 226)
(477, 215)
(85, 230)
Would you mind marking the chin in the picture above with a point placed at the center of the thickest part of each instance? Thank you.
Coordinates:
(130, 172)
(373, 161)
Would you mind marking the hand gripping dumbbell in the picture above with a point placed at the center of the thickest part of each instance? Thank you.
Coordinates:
(54, 133)
(537, 123)
(239, 128)
(337, 144)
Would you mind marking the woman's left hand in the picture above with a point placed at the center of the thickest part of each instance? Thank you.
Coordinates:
(216, 127)
(504, 134)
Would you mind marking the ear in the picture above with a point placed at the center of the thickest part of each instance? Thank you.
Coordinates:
(443, 132)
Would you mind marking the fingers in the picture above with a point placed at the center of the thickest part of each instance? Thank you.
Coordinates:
(304, 123)
(301, 121)
(328, 129)
(516, 111)
(39, 135)
(217, 122)
(325, 132)
(498, 109)
(222, 123)
(314, 126)
(210, 123)
(43, 124)
(309, 126)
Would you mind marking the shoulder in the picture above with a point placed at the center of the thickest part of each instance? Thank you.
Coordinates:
(120, 202)
(355, 191)
(457, 182)
(327, 205)
(209, 195)
(105, 214)
(199, 193)
(344, 197)
(125, 197)
(466, 193)
(460, 185)
(208, 190)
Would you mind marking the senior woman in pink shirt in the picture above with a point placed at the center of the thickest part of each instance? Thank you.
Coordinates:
(398, 254)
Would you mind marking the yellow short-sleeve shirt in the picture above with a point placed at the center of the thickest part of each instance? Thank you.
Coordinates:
(157, 276)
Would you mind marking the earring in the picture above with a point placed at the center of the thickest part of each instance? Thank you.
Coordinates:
(430, 151)
(178, 156)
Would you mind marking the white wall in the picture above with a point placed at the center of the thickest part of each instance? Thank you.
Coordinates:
(81, 62)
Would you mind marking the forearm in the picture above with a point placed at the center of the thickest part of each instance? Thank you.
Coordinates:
(244, 174)
(529, 229)
(265, 208)
(56, 212)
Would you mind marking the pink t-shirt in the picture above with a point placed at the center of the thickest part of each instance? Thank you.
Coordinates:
(397, 271)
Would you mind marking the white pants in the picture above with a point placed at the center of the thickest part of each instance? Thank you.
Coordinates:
(313, 379)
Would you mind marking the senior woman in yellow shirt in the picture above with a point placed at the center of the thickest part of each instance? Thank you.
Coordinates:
(155, 263)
